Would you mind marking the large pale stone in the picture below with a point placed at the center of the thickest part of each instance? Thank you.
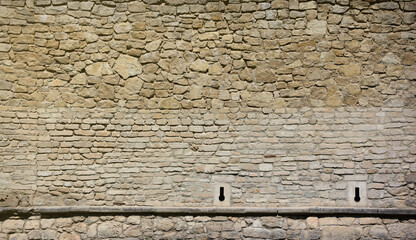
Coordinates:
(340, 233)
(199, 65)
(5, 95)
(177, 66)
(264, 75)
(257, 99)
(98, 69)
(153, 46)
(105, 91)
(5, 47)
(152, 57)
(122, 27)
(69, 45)
(195, 92)
(19, 236)
(127, 66)
(109, 229)
(79, 79)
(169, 103)
(103, 11)
(5, 85)
(410, 72)
(11, 226)
(215, 69)
(134, 85)
(352, 69)
(316, 27)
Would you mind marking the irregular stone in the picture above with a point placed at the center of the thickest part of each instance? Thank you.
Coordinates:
(350, 70)
(257, 99)
(5, 95)
(215, 69)
(153, 46)
(5, 47)
(152, 57)
(109, 229)
(316, 27)
(69, 45)
(79, 79)
(195, 92)
(69, 236)
(177, 66)
(133, 232)
(164, 224)
(340, 233)
(127, 66)
(103, 11)
(312, 222)
(257, 233)
(134, 85)
(98, 69)
(57, 83)
(122, 27)
(170, 103)
(19, 236)
(264, 75)
(209, 36)
(199, 66)
(215, 6)
(410, 72)
(12, 226)
(5, 85)
(136, 7)
(106, 91)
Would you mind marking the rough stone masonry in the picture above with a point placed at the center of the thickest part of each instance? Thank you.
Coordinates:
(291, 103)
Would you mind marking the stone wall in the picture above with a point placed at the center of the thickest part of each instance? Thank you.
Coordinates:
(203, 227)
(152, 103)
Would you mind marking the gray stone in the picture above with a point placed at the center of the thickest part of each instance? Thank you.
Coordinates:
(340, 233)
(109, 229)
(379, 232)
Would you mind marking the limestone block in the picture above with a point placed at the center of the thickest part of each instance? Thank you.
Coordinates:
(152, 57)
(134, 85)
(170, 103)
(352, 69)
(103, 11)
(316, 27)
(79, 79)
(98, 69)
(127, 66)
(5, 47)
(341, 233)
(122, 27)
(199, 66)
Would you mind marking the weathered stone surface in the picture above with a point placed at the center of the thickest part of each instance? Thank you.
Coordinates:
(127, 66)
(109, 230)
(342, 233)
(169, 103)
(98, 69)
(134, 85)
(264, 75)
(102, 11)
(122, 27)
(153, 46)
(152, 57)
(352, 69)
(79, 79)
(199, 66)
(5, 47)
(316, 27)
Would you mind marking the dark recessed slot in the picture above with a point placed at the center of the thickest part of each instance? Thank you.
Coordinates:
(357, 194)
(222, 197)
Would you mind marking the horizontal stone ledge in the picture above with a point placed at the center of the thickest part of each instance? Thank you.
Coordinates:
(269, 211)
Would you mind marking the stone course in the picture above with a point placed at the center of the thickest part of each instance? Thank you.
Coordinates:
(153, 102)
(205, 227)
